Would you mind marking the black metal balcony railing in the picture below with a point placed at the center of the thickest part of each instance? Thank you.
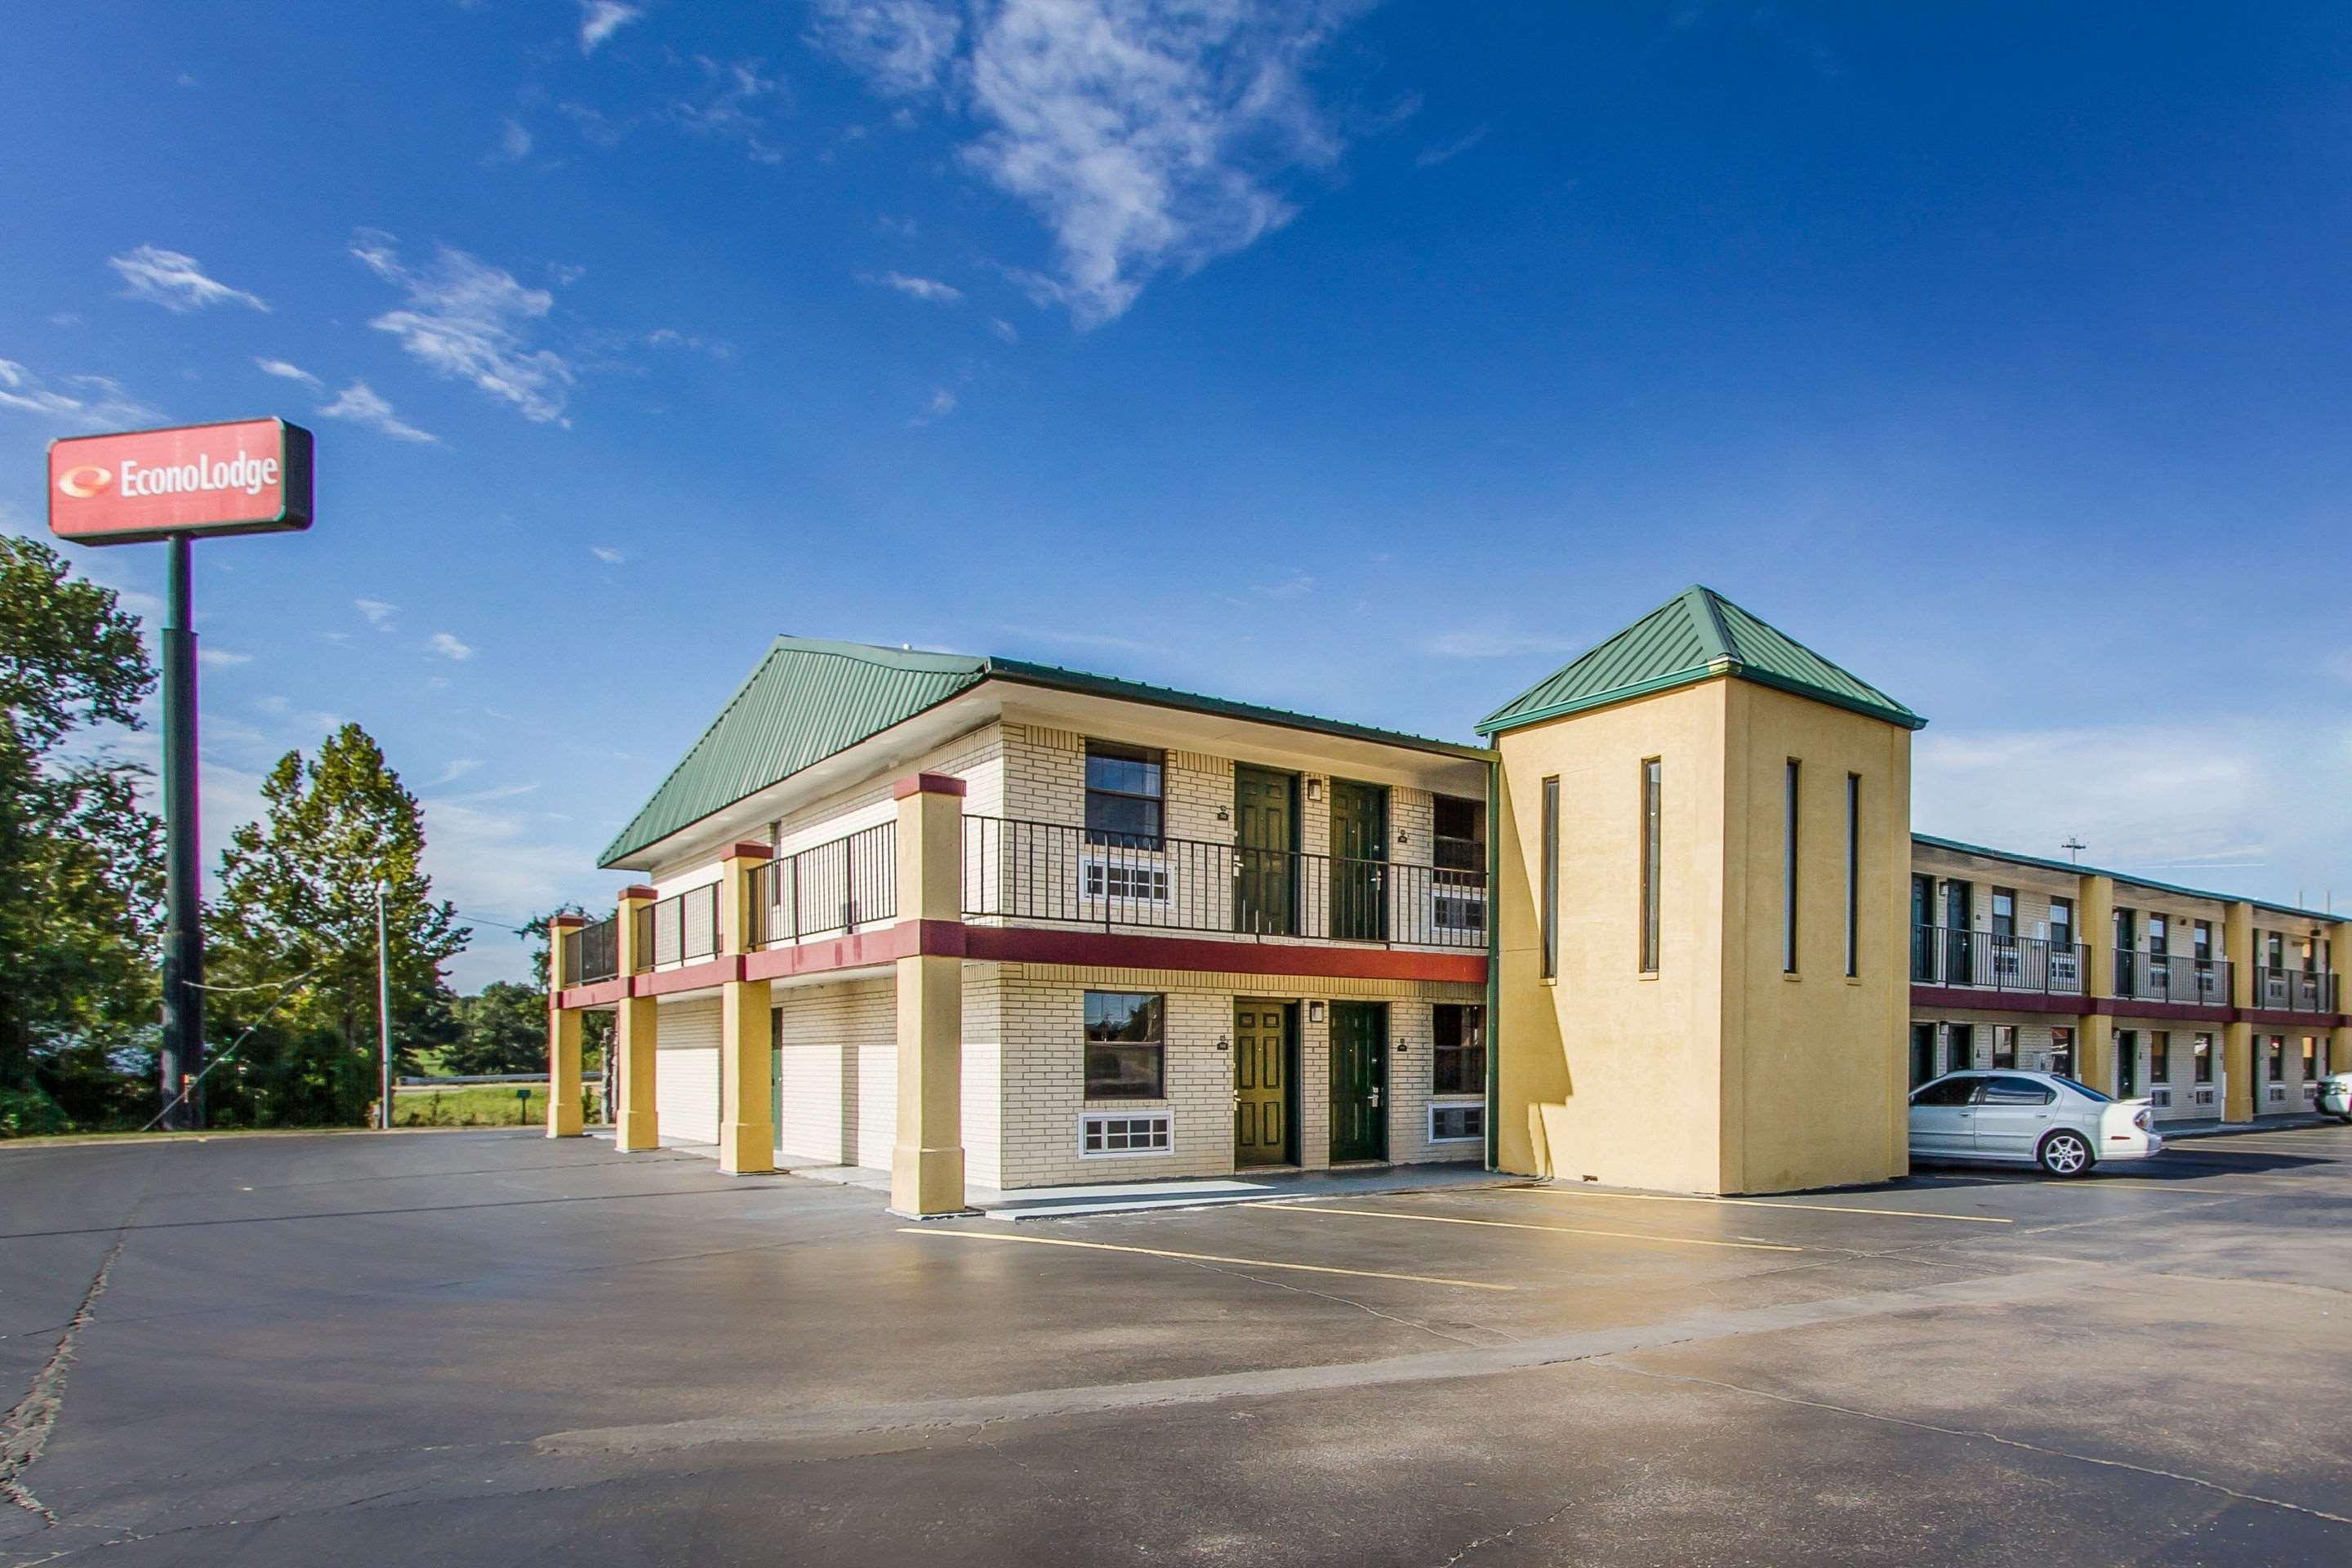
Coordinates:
(1052, 871)
(594, 952)
(2295, 989)
(2172, 977)
(835, 887)
(681, 929)
(1982, 960)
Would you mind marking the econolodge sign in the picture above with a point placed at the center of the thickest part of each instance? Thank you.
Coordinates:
(247, 476)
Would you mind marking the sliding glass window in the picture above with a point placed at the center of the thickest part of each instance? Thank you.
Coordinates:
(1652, 802)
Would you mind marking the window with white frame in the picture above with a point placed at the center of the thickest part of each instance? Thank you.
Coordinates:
(1456, 1123)
(1108, 1136)
(1126, 1045)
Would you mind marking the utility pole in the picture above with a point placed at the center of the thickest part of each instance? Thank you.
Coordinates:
(384, 1008)
(182, 1059)
(2073, 847)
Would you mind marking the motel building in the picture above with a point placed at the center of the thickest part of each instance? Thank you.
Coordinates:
(985, 924)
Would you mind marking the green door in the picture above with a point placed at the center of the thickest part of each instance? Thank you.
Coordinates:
(1359, 852)
(1359, 1081)
(1261, 1084)
(1266, 836)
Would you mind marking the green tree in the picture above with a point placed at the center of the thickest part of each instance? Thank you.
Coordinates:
(503, 1028)
(81, 861)
(296, 931)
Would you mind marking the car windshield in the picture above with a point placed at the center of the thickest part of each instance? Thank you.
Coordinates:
(2087, 1093)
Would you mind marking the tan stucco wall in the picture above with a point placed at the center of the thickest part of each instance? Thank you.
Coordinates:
(1814, 1083)
(1718, 1073)
(1609, 1073)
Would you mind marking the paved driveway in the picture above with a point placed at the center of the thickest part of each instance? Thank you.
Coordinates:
(489, 1348)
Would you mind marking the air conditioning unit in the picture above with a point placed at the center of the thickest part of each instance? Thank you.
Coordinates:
(2007, 963)
(2160, 1098)
(2277, 1094)
(2065, 972)
(2202, 1096)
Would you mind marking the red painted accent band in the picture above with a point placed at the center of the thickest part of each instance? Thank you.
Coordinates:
(603, 994)
(927, 783)
(1023, 944)
(748, 850)
(2276, 1018)
(566, 922)
(2160, 1012)
(854, 950)
(693, 977)
(648, 894)
(1953, 998)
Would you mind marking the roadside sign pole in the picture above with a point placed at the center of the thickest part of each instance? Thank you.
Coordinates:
(183, 1055)
(383, 1008)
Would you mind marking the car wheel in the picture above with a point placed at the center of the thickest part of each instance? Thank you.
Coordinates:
(2065, 1154)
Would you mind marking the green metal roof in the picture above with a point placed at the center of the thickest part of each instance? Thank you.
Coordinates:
(1696, 635)
(808, 699)
(2071, 869)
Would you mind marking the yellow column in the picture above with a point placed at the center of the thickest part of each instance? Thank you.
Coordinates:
(927, 1159)
(635, 1036)
(747, 1130)
(2339, 1040)
(2094, 906)
(2238, 1039)
(563, 1037)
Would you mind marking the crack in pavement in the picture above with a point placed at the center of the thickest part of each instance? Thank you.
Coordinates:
(24, 1435)
(2159, 1473)
(1484, 1540)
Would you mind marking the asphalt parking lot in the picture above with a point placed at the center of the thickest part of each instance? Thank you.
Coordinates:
(486, 1347)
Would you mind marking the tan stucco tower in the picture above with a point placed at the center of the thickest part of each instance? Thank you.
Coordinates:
(1704, 851)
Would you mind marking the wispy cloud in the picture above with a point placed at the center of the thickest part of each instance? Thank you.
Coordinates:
(447, 646)
(942, 403)
(175, 281)
(1003, 329)
(280, 367)
(360, 405)
(671, 338)
(95, 402)
(221, 658)
(1148, 135)
(514, 143)
(466, 319)
(1445, 151)
(1469, 643)
(733, 104)
(608, 554)
(379, 614)
(600, 19)
(456, 769)
(1297, 585)
(930, 290)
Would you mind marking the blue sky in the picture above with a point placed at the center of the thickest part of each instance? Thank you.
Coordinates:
(1363, 359)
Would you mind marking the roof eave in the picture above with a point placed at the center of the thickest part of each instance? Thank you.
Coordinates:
(1888, 714)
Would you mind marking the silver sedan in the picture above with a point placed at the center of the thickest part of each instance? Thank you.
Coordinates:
(2027, 1119)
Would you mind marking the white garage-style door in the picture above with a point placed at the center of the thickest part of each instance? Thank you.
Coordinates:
(686, 1075)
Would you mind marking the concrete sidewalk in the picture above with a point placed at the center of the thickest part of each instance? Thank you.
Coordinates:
(1207, 1192)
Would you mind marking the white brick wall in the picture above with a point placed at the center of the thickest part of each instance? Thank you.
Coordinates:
(839, 1073)
(685, 1070)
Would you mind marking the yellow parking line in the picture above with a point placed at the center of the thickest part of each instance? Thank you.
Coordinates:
(1763, 1204)
(1204, 1257)
(1515, 1225)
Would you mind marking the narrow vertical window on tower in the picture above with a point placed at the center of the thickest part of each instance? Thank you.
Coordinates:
(1551, 878)
(1788, 870)
(1853, 874)
(1652, 863)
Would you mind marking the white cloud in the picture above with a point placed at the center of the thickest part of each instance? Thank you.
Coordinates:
(466, 318)
(358, 404)
(902, 45)
(942, 403)
(280, 367)
(175, 281)
(930, 290)
(1470, 643)
(1145, 134)
(379, 614)
(600, 19)
(95, 402)
(1003, 329)
(1445, 151)
(221, 658)
(730, 106)
(671, 338)
(456, 769)
(608, 554)
(447, 646)
(514, 143)
(1297, 585)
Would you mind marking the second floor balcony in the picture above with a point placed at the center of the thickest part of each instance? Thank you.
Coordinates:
(2295, 989)
(2172, 977)
(1986, 961)
(1019, 871)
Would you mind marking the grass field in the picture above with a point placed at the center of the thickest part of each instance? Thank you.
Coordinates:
(476, 1105)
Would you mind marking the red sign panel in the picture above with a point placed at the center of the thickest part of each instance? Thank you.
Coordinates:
(249, 476)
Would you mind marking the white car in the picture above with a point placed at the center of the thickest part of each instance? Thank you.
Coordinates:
(2027, 1119)
(2335, 1095)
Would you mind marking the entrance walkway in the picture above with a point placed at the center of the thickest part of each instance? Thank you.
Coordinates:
(1205, 1191)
